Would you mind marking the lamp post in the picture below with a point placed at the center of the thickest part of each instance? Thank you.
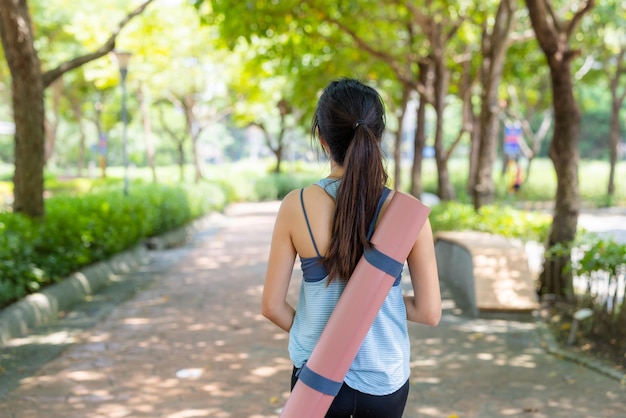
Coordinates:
(122, 58)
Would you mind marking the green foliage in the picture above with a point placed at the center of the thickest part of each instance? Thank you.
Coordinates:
(78, 185)
(596, 254)
(601, 255)
(502, 220)
(598, 264)
(81, 230)
(276, 186)
(19, 273)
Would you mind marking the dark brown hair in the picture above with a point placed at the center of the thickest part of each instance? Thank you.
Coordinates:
(350, 117)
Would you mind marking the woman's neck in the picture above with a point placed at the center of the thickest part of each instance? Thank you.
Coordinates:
(336, 171)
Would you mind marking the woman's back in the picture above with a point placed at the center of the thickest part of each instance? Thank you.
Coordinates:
(320, 210)
(370, 372)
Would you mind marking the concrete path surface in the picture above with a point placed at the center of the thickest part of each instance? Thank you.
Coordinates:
(190, 342)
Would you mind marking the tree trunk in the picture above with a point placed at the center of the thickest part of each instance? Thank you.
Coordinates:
(494, 47)
(468, 123)
(553, 37)
(473, 156)
(617, 99)
(181, 160)
(193, 128)
(28, 110)
(536, 138)
(102, 140)
(28, 84)
(82, 147)
(279, 150)
(147, 132)
(196, 158)
(397, 146)
(613, 144)
(179, 141)
(565, 157)
(444, 185)
(419, 141)
(279, 159)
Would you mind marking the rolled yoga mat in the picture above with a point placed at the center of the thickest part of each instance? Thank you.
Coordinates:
(321, 377)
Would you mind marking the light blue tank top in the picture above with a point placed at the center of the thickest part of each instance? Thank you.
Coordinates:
(382, 364)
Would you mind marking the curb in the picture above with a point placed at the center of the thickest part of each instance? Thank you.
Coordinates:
(37, 309)
(552, 347)
(43, 307)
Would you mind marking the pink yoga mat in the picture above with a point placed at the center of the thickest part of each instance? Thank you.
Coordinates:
(357, 308)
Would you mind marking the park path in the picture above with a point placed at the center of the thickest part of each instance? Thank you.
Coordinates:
(193, 344)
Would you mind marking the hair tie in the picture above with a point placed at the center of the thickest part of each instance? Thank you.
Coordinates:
(358, 123)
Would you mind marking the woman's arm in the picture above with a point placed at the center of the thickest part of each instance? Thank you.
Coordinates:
(279, 269)
(425, 306)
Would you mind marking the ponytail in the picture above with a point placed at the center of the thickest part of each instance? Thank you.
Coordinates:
(357, 198)
(350, 118)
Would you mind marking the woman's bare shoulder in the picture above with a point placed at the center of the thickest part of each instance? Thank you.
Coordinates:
(290, 200)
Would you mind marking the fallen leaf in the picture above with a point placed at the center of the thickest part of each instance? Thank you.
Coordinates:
(476, 336)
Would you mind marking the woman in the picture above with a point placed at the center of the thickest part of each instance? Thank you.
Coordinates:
(327, 225)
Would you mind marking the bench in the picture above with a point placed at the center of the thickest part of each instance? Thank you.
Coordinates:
(485, 272)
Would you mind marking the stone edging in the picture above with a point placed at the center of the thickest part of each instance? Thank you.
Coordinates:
(43, 307)
(551, 346)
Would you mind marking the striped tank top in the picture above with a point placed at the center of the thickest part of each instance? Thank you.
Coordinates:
(382, 364)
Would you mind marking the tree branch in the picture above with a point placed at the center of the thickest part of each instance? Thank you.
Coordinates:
(556, 23)
(403, 75)
(545, 25)
(51, 75)
(164, 125)
(418, 16)
(266, 135)
(571, 27)
(614, 78)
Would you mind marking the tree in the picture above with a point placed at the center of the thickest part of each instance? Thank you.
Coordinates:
(554, 35)
(144, 107)
(495, 42)
(610, 26)
(288, 55)
(527, 98)
(416, 41)
(28, 85)
(617, 100)
(177, 135)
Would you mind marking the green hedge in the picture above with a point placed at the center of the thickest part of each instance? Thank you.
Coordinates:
(502, 220)
(80, 230)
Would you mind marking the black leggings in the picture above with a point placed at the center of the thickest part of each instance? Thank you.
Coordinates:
(352, 403)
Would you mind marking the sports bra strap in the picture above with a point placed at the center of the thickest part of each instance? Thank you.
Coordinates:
(306, 218)
(372, 225)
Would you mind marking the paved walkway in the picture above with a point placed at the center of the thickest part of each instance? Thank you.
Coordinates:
(191, 343)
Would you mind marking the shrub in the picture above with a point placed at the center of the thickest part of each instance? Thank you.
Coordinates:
(599, 269)
(80, 230)
(502, 220)
(276, 186)
(19, 274)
